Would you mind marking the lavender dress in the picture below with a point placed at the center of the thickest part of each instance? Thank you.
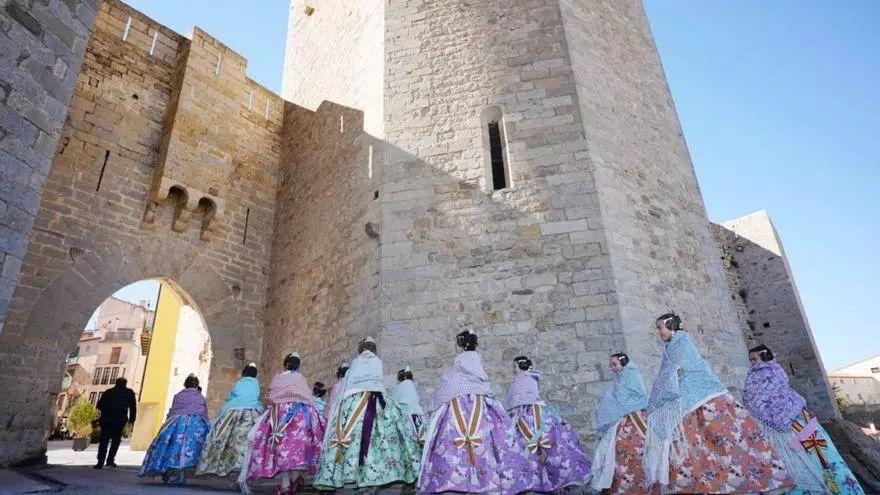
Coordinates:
(469, 446)
(556, 455)
(808, 452)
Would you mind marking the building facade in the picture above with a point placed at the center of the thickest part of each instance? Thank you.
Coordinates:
(512, 168)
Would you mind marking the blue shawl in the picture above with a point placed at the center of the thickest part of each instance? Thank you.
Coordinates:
(685, 378)
(625, 395)
(245, 394)
(364, 375)
(684, 382)
(406, 395)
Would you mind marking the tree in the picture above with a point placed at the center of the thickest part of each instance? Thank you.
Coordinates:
(80, 417)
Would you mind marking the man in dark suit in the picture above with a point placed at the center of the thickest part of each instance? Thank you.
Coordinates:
(118, 406)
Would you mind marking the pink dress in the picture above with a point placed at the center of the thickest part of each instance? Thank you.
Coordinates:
(289, 434)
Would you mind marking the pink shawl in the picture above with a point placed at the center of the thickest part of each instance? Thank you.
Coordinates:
(290, 386)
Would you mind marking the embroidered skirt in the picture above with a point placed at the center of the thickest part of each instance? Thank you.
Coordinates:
(227, 444)
(554, 450)
(813, 459)
(287, 438)
(177, 446)
(469, 447)
(617, 464)
(723, 450)
(370, 441)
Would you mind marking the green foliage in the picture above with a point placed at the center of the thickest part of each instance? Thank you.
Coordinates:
(840, 399)
(80, 417)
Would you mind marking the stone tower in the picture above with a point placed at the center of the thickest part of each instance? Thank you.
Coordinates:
(518, 169)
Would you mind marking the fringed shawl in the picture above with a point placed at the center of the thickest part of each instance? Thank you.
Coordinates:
(467, 377)
(625, 395)
(684, 377)
(407, 396)
(524, 389)
(364, 375)
(188, 401)
(769, 397)
(290, 386)
(245, 394)
(684, 382)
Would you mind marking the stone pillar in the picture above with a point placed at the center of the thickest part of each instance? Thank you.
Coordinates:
(43, 46)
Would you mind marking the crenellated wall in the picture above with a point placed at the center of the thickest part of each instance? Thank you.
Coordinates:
(89, 238)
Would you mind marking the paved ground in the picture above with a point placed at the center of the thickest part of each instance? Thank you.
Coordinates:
(70, 472)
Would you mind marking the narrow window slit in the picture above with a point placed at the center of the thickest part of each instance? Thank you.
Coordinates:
(247, 218)
(104, 166)
(219, 62)
(266, 113)
(127, 29)
(342, 124)
(499, 178)
(153, 44)
(370, 162)
(251, 100)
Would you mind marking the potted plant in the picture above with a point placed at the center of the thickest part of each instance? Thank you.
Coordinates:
(79, 420)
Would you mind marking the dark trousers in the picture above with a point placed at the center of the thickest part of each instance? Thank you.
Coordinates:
(110, 433)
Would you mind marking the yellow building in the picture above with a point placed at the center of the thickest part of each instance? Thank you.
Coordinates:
(154, 394)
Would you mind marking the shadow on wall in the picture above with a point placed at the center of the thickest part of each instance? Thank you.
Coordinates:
(763, 289)
(373, 240)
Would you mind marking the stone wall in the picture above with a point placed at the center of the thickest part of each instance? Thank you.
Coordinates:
(323, 279)
(90, 238)
(775, 314)
(663, 253)
(535, 268)
(346, 66)
(43, 45)
(526, 267)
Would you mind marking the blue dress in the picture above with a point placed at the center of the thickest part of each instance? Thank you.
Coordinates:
(179, 443)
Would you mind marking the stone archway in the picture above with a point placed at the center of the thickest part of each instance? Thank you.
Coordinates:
(56, 319)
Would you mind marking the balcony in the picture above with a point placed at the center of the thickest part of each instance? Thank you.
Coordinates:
(119, 336)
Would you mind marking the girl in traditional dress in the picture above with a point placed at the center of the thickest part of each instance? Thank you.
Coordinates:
(469, 446)
(335, 390)
(699, 439)
(407, 397)
(180, 440)
(620, 431)
(319, 392)
(287, 439)
(555, 449)
(810, 456)
(227, 444)
(370, 439)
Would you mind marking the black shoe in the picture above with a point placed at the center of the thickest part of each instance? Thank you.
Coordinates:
(111, 464)
(98, 466)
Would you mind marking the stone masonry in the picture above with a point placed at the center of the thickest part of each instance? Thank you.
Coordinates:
(762, 280)
(143, 95)
(43, 45)
(363, 204)
(602, 229)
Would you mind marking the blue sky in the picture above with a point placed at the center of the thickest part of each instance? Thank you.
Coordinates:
(779, 105)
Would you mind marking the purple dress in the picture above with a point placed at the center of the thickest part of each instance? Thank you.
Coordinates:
(557, 457)
(469, 446)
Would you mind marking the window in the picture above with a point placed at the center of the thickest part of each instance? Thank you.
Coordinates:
(114, 355)
(114, 374)
(105, 377)
(495, 158)
(93, 398)
(875, 369)
(499, 179)
(96, 379)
